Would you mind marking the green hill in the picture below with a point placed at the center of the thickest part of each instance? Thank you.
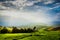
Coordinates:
(39, 35)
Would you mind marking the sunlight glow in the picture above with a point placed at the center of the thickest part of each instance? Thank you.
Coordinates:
(27, 17)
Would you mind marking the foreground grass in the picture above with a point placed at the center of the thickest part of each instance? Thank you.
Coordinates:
(40, 35)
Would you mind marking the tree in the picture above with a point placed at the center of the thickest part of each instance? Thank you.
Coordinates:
(21, 30)
(15, 30)
(4, 30)
(34, 28)
(29, 30)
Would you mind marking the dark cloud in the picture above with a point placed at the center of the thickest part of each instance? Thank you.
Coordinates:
(27, 3)
(6, 0)
(58, 1)
(6, 4)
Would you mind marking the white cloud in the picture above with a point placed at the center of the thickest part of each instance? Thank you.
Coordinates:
(18, 17)
(25, 17)
(57, 5)
(57, 17)
(49, 2)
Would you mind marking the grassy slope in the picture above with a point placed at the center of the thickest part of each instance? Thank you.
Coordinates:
(40, 35)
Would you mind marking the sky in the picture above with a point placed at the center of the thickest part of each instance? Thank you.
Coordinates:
(24, 12)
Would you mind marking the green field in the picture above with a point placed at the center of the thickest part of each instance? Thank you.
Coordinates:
(40, 35)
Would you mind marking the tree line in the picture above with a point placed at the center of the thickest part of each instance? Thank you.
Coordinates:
(16, 30)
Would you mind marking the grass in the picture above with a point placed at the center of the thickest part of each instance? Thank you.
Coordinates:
(40, 35)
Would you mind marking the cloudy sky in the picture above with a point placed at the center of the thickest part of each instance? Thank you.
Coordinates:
(22, 12)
